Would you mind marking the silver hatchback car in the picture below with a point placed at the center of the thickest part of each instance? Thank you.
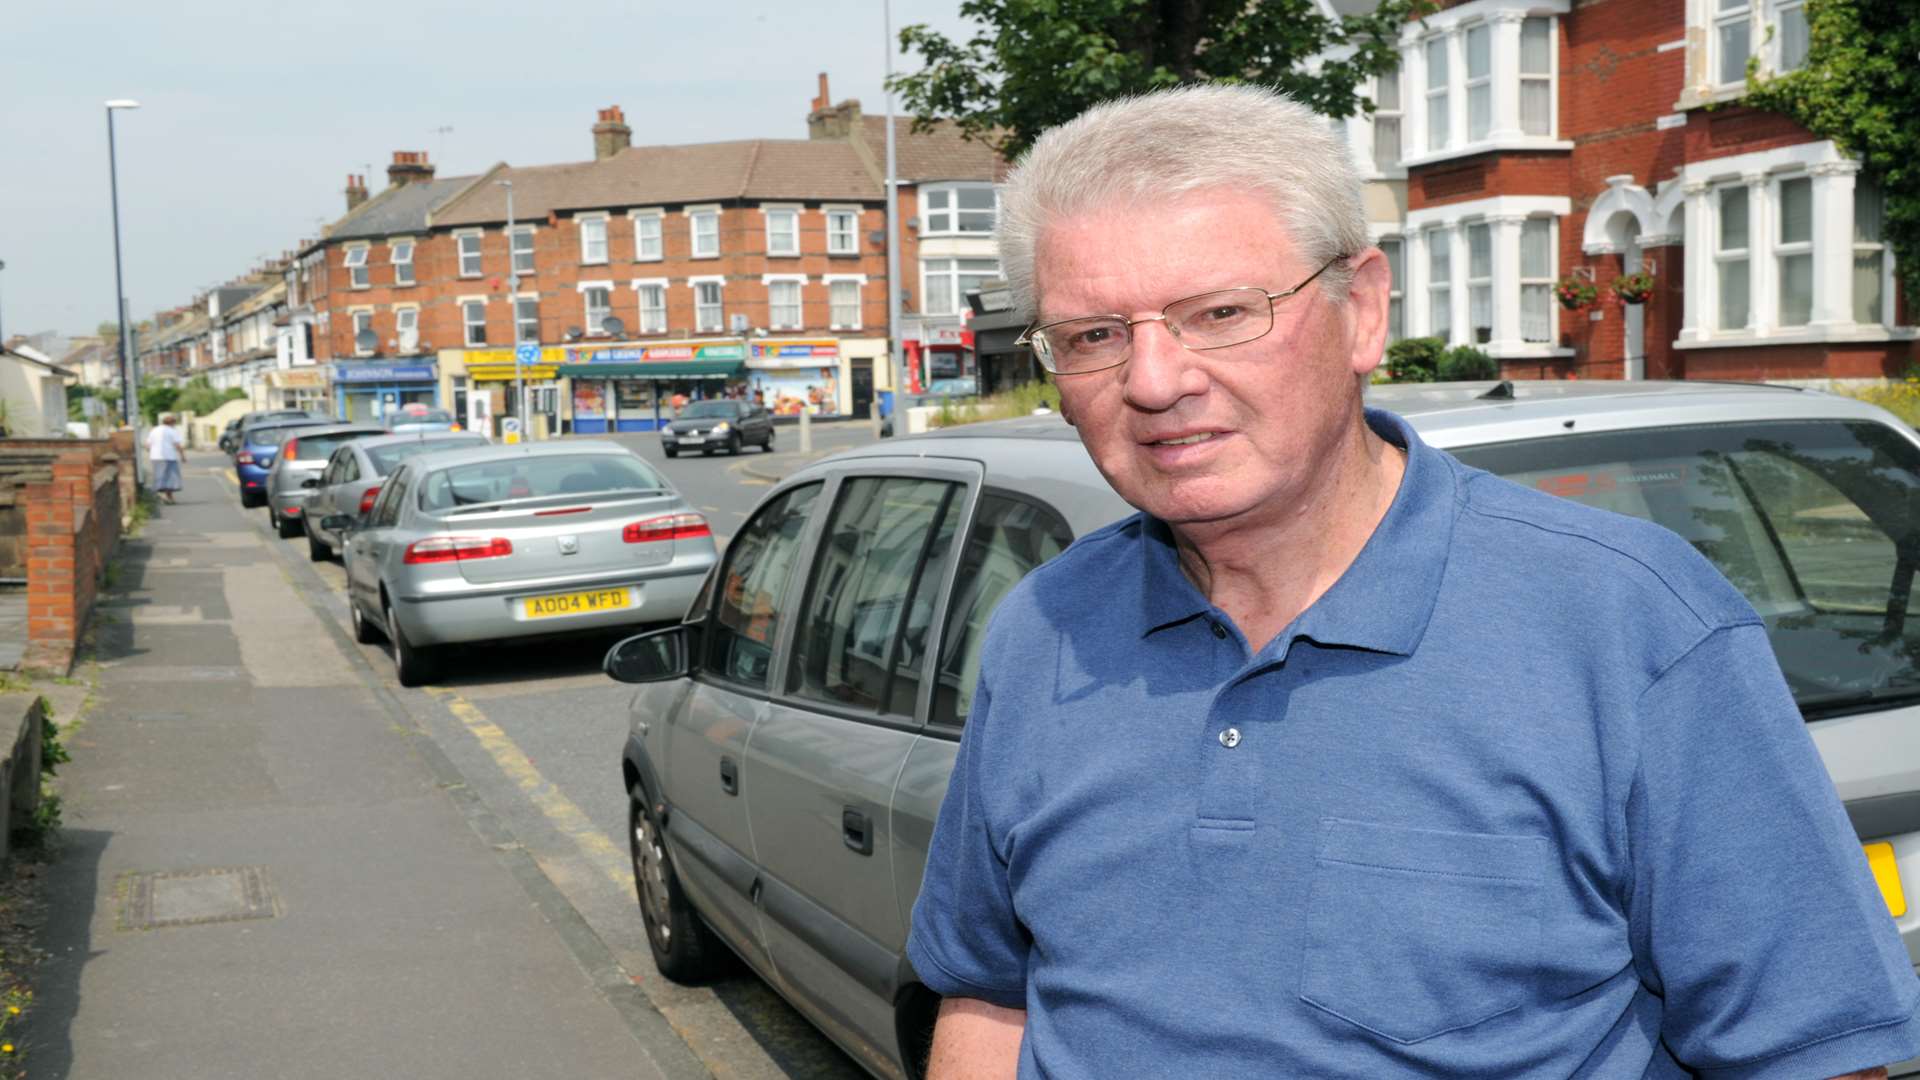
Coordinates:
(351, 479)
(791, 747)
(302, 456)
(516, 541)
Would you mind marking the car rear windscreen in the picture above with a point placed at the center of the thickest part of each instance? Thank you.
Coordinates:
(1816, 522)
(321, 447)
(430, 416)
(386, 457)
(537, 477)
(700, 409)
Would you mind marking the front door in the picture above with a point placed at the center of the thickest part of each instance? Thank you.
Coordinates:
(862, 387)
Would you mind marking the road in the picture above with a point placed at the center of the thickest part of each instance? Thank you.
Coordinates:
(536, 730)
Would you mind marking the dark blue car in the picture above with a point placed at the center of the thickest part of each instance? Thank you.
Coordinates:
(258, 445)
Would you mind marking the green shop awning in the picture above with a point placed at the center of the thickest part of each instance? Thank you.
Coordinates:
(669, 370)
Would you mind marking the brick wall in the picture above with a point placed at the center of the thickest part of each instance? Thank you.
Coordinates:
(72, 527)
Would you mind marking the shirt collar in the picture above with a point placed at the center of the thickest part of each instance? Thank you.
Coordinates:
(1383, 600)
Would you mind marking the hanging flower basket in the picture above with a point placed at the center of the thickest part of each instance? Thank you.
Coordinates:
(1633, 288)
(1574, 293)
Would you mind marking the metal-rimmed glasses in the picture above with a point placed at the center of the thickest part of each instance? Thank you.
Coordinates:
(1209, 320)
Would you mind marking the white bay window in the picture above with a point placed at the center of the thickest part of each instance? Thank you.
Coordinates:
(1486, 76)
(1440, 283)
(1482, 273)
(1793, 251)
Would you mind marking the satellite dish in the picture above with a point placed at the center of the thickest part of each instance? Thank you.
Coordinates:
(612, 326)
(366, 341)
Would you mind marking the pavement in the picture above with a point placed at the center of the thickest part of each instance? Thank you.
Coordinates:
(268, 870)
(13, 626)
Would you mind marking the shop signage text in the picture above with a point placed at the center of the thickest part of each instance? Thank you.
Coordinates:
(643, 353)
(364, 373)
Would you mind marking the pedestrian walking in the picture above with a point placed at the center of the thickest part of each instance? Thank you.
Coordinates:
(1341, 758)
(164, 445)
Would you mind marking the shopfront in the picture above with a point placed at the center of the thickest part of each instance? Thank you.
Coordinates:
(491, 373)
(935, 353)
(368, 391)
(794, 376)
(632, 387)
(299, 388)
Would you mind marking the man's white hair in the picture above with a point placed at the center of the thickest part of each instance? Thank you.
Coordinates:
(1159, 146)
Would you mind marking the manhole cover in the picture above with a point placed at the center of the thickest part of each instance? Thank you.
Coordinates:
(186, 897)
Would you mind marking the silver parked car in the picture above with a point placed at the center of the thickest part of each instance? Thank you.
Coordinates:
(500, 542)
(302, 456)
(792, 741)
(351, 480)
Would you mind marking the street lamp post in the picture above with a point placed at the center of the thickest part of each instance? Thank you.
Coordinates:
(3, 331)
(129, 394)
(513, 309)
(896, 353)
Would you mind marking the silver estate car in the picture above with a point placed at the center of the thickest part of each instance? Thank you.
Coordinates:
(792, 739)
(304, 453)
(501, 542)
(351, 479)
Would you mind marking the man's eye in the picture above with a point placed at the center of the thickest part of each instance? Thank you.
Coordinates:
(1223, 313)
(1093, 338)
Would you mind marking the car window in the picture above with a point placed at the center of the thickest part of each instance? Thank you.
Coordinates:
(1816, 522)
(752, 594)
(863, 631)
(330, 475)
(711, 409)
(1010, 537)
(349, 467)
(386, 511)
(537, 478)
(386, 457)
(319, 446)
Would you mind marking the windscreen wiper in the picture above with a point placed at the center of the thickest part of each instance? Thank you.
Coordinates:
(1821, 706)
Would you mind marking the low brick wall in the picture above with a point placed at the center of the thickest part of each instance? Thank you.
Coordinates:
(73, 524)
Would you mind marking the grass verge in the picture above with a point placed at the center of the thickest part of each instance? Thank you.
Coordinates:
(1019, 400)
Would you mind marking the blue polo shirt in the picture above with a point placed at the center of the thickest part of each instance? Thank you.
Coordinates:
(1523, 794)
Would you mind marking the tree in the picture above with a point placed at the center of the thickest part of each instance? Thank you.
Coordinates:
(155, 400)
(1860, 87)
(1037, 63)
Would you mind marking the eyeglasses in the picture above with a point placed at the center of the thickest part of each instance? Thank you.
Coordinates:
(1211, 320)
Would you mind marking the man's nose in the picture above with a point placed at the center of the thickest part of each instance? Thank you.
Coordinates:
(1160, 371)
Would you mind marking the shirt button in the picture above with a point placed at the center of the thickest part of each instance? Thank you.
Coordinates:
(1219, 631)
(1230, 738)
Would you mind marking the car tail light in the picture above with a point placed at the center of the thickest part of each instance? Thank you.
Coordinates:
(245, 458)
(291, 511)
(561, 511)
(367, 497)
(666, 527)
(457, 549)
(292, 450)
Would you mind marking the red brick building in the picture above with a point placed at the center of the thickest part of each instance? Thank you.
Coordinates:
(1526, 141)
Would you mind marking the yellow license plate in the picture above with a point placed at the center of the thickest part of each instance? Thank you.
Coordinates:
(1886, 873)
(578, 603)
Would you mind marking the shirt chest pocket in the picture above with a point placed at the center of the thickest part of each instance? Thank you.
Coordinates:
(1412, 933)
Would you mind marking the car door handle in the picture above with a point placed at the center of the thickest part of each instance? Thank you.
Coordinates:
(729, 776)
(856, 831)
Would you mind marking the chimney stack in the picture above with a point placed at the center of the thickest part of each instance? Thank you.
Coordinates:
(827, 121)
(356, 191)
(825, 99)
(611, 135)
(409, 166)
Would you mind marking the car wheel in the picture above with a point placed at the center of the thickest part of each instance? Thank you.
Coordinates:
(685, 949)
(409, 665)
(287, 527)
(733, 444)
(364, 632)
(250, 499)
(706, 451)
(767, 447)
(317, 550)
(672, 452)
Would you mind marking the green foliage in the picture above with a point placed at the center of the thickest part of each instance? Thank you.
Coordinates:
(1412, 360)
(1861, 88)
(1633, 288)
(157, 399)
(53, 753)
(1018, 400)
(1037, 63)
(1575, 293)
(200, 398)
(1464, 363)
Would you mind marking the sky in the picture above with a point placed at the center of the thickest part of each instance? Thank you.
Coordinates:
(253, 114)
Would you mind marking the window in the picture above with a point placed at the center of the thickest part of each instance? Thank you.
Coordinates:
(1869, 256)
(1536, 76)
(1480, 282)
(843, 232)
(706, 233)
(1396, 252)
(593, 239)
(707, 315)
(843, 305)
(864, 630)
(523, 249)
(357, 267)
(1437, 93)
(646, 237)
(959, 208)
(526, 318)
(1536, 279)
(946, 283)
(1793, 254)
(752, 594)
(363, 324)
(1732, 34)
(1790, 28)
(783, 305)
(653, 308)
(1730, 258)
(783, 232)
(469, 254)
(1386, 120)
(599, 306)
(473, 315)
(1440, 284)
(393, 494)
(1479, 82)
(1009, 538)
(406, 328)
(400, 253)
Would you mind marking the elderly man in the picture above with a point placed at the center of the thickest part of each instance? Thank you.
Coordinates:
(1341, 758)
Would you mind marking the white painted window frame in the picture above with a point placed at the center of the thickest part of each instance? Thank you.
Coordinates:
(1784, 250)
(859, 283)
(460, 238)
(589, 225)
(1505, 19)
(1759, 225)
(852, 231)
(406, 338)
(514, 250)
(770, 214)
(1879, 247)
(695, 215)
(950, 273)
(520, 322)
(467, 323)
(649, 225)
(355, 325)
(585, 288)
(953, 189)
(1552, 275)
(719, 306)
(1478, 287)
(1469, 83)
(1723, 17)
(799, 306)
(358, 275)
(1394, 111)
(657, 287)
(1507, 215)
(393, 256)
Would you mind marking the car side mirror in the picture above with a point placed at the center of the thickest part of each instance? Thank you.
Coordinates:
(656, 656)
(338, 523)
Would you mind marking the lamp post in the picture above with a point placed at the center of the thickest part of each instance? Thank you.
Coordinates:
(3, 332)
(896, 352)
(129, 395)
(513, 309)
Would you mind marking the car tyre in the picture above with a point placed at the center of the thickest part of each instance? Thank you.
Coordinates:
(767, 447)
(733, 444)
(706, 451)
(671, 452)
(685, 949)
(412, 666)
(364, 632)
(287, 527)
(251, 499)
(317, 550)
